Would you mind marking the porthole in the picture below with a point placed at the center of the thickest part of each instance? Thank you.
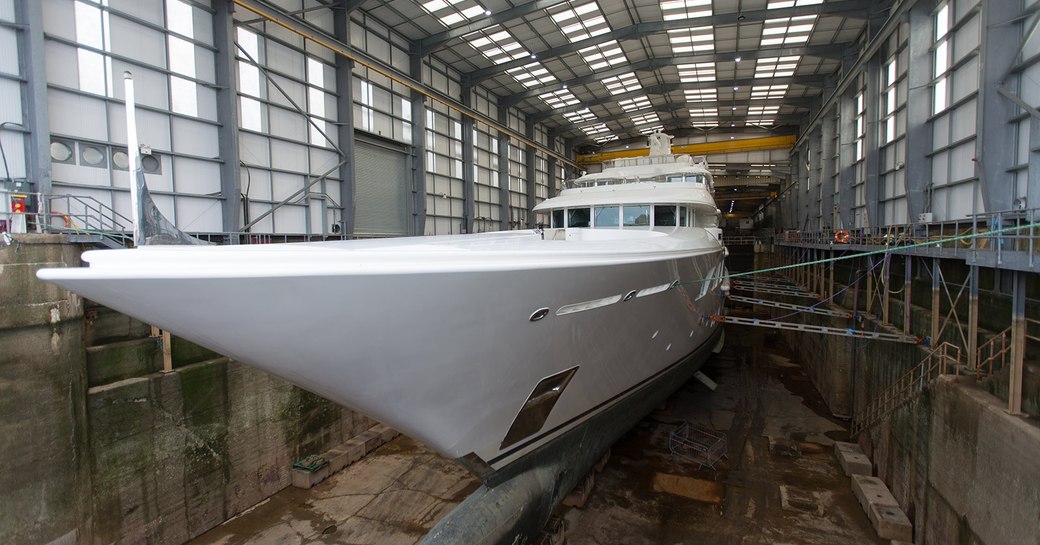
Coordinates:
(61, 152)
(539, 314)
(120, 160)
(90, 155)
(151, 164)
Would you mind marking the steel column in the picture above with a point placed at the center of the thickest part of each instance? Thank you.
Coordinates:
(345, 128)
(908, 266)
(1018, 342)
(973, 316)
(936, 278)
(418, 147)
(227, 117)
(870, 284)
(871, 155)
(847, 172)
(34, 99)
(532, 175)
(918, 108)
(993, 153)
(827, 154)
(468, 175)
(506, 222)
(887, 279)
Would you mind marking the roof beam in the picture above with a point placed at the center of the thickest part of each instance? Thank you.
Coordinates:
(649, 65)
(682, 127)
(847, 8)
(686, 131)
(670, 108)
(663, 89)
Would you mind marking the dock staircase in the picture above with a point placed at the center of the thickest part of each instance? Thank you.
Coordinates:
(992, 356)
(89, 221)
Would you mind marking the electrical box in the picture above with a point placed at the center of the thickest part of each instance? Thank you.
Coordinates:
(924, 218)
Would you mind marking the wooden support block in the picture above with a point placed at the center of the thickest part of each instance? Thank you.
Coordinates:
(386, 432)
(581, 492)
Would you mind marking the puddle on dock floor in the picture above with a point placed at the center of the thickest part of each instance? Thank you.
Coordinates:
(779, 482)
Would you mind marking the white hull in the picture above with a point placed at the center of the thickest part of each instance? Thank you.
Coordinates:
(431, 335)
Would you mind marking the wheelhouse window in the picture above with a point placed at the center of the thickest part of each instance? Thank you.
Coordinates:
(664, 216)
(557, 218)
(683, 211)
(636, 215)
(578, 217)
(607, 217)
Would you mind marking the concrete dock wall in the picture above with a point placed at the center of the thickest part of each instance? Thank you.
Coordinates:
(97, 446)
(963, 469)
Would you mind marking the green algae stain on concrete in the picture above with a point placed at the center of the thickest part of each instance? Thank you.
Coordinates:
(308, 422)
(205, 418)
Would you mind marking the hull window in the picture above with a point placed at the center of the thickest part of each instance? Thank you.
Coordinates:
(656, 289)
(588, 305)
(536, 409)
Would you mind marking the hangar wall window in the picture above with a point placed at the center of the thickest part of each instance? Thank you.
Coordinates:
(941, 61)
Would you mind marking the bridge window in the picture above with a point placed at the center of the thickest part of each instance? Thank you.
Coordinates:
(637, 215)
(557, 218)
(664, 216)
(683, 211)
(578, 217)
(607, 217)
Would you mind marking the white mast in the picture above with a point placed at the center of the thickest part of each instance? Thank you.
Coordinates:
(133, 151)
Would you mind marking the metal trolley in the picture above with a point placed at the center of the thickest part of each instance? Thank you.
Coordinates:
(697, 444)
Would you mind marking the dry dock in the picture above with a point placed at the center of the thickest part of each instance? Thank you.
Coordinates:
(779, 483)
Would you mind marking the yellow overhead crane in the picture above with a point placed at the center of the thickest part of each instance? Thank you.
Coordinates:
(704, 148)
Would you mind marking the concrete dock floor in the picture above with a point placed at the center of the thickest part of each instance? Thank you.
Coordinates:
(779, 483)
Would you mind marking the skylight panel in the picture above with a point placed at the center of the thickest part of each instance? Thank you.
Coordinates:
(450, 12)
(701, 95)
(777, 4)
(646, 119)
(622, 84)
(579, 22)
(496, 44)
(704, 123)
(774, 67)
(687, 40)
(787, 30)
(634, 104)
(532, 75)
(653, 129)
(704, 112)
(598, 128)
(606, 138)
(559, 99)
(580, 116)
(685, 9)
(697, 72)
(603, 55)
(759, 92)
(763, 110)
(765, 122)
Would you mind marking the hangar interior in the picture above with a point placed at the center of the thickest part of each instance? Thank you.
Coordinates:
(911, 127)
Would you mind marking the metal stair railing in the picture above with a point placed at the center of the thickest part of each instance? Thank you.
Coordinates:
(88, 216)
(944, 360)
(994, 354)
